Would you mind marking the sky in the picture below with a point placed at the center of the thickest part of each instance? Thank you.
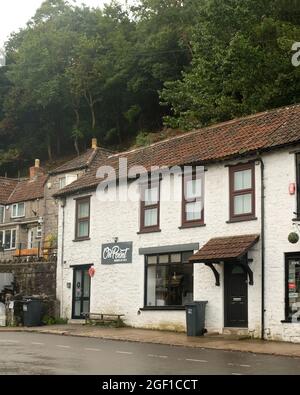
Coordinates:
(15, 13)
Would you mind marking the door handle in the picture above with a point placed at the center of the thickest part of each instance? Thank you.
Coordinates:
(236, 299)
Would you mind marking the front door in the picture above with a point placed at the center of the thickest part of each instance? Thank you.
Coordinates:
(81, 293)
(235, 296)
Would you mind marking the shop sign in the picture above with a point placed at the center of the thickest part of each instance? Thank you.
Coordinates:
(114, 253)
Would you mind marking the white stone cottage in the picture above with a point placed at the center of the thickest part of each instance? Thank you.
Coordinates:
(226, 242)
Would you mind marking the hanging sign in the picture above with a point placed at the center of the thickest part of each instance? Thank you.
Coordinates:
(113, 253)
(92, 272)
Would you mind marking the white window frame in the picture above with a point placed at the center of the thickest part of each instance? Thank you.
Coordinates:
(17, 205)
(2, 220)
(39, 231)
(62, 180)
(11, 246)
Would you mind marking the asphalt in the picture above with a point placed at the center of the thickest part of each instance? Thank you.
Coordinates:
(24, 353)
(217, 342)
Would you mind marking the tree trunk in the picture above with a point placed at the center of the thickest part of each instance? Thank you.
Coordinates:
(49, 149)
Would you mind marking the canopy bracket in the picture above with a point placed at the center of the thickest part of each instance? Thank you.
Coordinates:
(216, 273)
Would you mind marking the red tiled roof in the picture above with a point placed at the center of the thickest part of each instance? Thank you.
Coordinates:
(28, 190)
(224, 248)
(259, 132)
(82, 161)
(7, 185)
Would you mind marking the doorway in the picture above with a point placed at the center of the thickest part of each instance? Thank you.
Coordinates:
(235, 296)
(81, 292)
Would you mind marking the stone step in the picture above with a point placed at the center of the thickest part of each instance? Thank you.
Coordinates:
(76, 322)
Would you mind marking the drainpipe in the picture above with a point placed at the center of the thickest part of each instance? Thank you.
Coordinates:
(262, 175)
(63, 203)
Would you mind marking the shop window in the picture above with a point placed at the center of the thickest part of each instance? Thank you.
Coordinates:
(169, 279)
(293, 288)
(242, 192)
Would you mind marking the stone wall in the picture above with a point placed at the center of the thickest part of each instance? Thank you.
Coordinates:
(32, 278)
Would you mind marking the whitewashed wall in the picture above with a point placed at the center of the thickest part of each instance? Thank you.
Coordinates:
(120, 288)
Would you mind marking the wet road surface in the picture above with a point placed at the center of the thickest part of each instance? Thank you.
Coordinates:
(41, 354)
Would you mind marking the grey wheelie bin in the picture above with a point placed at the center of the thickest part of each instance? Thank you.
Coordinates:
(32, 312)
(195, 318)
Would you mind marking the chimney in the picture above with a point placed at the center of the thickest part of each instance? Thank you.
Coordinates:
(35, 170)
(94, 143)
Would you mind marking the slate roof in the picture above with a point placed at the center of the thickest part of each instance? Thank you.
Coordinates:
(224, 248)
(82, 161)
(260, 132)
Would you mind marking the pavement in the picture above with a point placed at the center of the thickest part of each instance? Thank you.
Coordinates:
(216, 342)
(25, 353)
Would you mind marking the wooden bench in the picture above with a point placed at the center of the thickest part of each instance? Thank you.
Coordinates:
(102, 318)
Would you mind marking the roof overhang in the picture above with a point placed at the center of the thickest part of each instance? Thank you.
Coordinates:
(225, 249)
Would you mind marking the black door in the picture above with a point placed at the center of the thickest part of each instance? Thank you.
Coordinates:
(236, 296)
(81, 292)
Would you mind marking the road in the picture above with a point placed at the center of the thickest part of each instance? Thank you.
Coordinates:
(41, 354)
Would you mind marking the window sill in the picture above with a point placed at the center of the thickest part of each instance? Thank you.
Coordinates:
(191, 225)
(83, 239)
(242, 219)
(153, 308)
(148, 231)
(289, 322)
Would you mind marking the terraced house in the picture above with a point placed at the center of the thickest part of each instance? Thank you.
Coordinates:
(227, 241)
(21, 214)
(28, 211)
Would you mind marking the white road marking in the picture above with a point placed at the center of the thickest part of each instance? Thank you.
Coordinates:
(230, 364)
(9, 341)
(37, 344)
(93, 349)
(245, 366)
(236, 374)
(196, 360)
(61, 346)
(157, 356)
(124, 352)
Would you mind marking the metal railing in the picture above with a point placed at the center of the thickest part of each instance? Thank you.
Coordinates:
(36, 249)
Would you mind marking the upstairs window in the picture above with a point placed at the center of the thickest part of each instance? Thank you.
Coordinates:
(2, 213)
(150, 207)
(18, 210)
(242, 192)
(82, 219)
(62, 182)
(192, 201)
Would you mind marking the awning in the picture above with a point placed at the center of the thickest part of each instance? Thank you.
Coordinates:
(224, 249)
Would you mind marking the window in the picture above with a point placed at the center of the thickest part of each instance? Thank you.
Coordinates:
(192, 201)
(62, 182)
(2, 213)
(298, 183)
(8, 239)
(242, 192)
(38, 232)
(82, 219)
(169, 280)
(18, 210)
(150, 208)
(293, 288)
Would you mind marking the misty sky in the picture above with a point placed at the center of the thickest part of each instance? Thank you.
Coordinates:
(15, 13)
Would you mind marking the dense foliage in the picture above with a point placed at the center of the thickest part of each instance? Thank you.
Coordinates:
(75, 72)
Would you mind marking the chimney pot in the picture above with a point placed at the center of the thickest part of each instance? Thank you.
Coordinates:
(37, 163)
(94, 143)
(35, 170)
